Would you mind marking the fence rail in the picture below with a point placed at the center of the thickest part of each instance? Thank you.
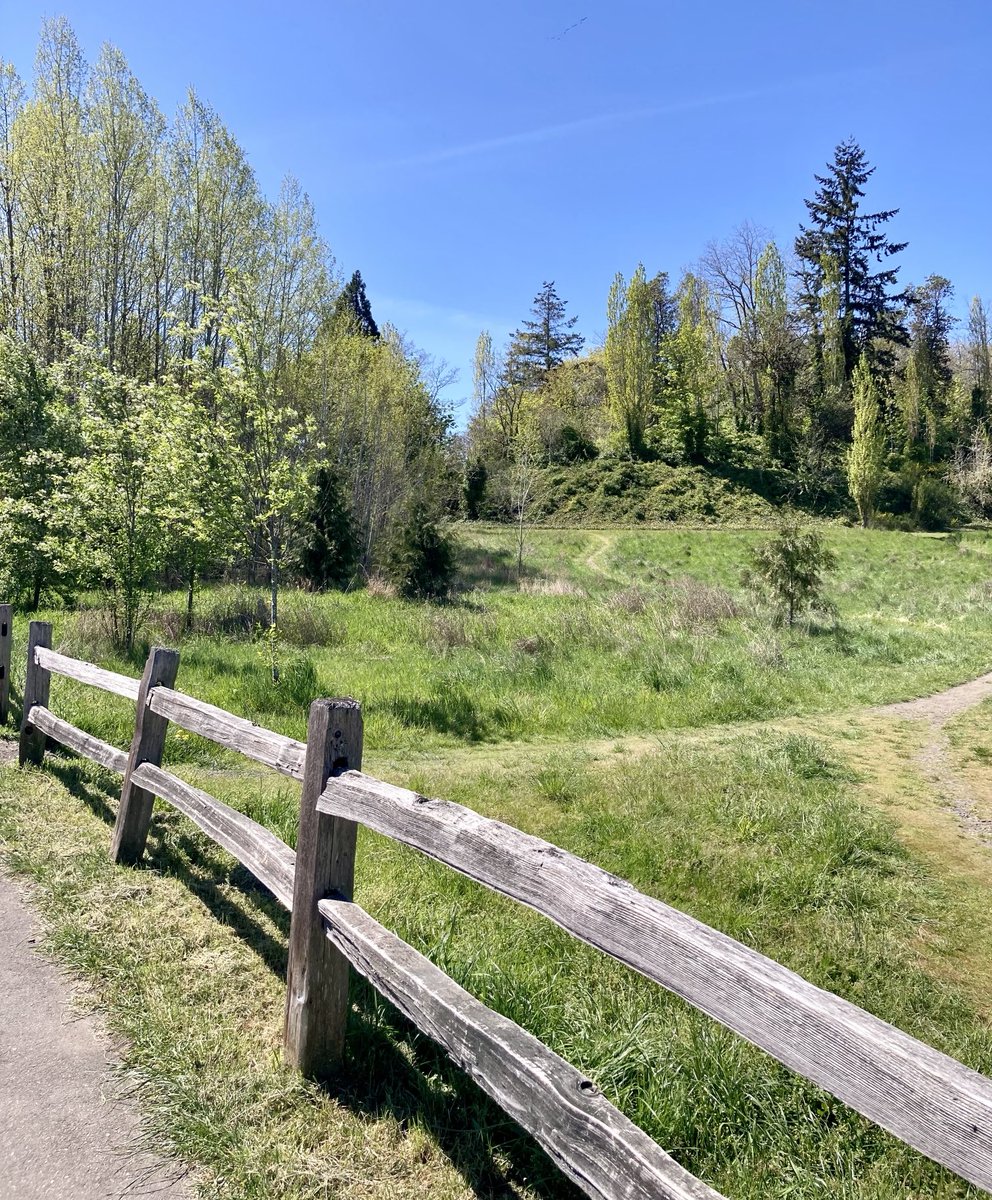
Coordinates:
(929, 1100)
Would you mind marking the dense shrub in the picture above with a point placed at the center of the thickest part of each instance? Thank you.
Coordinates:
(421, 560)
(474, 489)
(327, 550)
(607, 491)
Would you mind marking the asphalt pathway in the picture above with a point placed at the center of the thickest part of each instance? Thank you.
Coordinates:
(64, 1133)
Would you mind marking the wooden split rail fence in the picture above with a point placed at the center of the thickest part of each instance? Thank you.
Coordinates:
(927, 1099)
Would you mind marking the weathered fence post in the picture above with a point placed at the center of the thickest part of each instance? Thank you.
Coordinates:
(6, 633)
(135, 812)
(37, 682)
(317, 976)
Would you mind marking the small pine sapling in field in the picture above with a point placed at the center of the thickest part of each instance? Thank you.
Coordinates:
(421, 560)
(788, 570)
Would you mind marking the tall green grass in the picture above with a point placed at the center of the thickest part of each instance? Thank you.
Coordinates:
(657, 633)
(757, 834)
(525, 702)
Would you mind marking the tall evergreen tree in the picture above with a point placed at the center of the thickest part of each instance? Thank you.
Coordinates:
(544, 342)
(353, 306)
(840, 232)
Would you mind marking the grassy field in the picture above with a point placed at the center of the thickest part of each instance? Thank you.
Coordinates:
(628, 701)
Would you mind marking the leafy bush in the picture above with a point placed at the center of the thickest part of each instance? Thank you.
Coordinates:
(935, 505)
(972, 474)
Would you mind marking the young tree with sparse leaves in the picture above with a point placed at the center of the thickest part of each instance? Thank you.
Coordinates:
(788, 570)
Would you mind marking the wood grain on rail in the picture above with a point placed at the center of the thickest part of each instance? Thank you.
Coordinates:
(589, 1139)
(929, 1100)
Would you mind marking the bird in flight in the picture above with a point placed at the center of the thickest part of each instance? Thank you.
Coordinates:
(558, 36)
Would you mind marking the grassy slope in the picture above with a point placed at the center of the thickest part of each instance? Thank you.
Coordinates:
(594, 718)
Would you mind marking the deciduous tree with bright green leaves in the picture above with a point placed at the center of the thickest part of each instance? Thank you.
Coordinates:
(866, 457)
(630, 356)
(118, 501)
(38, 435)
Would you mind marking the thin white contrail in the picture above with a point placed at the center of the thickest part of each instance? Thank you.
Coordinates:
(546, 133)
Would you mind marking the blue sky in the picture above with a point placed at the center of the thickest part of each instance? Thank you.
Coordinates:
(461, 154)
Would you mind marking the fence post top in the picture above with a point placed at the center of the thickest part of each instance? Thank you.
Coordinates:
(162, 654)
(342, 702)
(337, 726)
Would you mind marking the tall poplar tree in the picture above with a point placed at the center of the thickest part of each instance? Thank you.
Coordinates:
(776, 350)
(979, 360)
(866, 457)
(631, 357)
(925, 390)
(11, 105)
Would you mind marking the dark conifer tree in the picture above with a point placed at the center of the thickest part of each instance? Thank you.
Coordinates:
(328, 550)
(421, 560)
(353, 305)
(870, 310)
(476, 477)
(544, 342)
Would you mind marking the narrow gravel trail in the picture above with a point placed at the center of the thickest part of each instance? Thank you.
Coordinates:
(935, 757)
(603, 544)
(940, 708)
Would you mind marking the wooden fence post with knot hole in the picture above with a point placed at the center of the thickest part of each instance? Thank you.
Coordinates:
(135, 812)
(6, 635)
(37, 683)
(318, 974)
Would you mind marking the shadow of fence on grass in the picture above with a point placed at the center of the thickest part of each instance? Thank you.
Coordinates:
(390, 1070)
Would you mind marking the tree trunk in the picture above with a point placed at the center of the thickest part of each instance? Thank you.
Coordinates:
(274, 593)
(190, 585)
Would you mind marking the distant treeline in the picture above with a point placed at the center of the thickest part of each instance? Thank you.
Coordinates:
(188, 388)
(814, 368)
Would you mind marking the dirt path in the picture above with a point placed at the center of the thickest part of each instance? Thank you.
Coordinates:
(939, 709)
(593, 560)
(935, 757)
